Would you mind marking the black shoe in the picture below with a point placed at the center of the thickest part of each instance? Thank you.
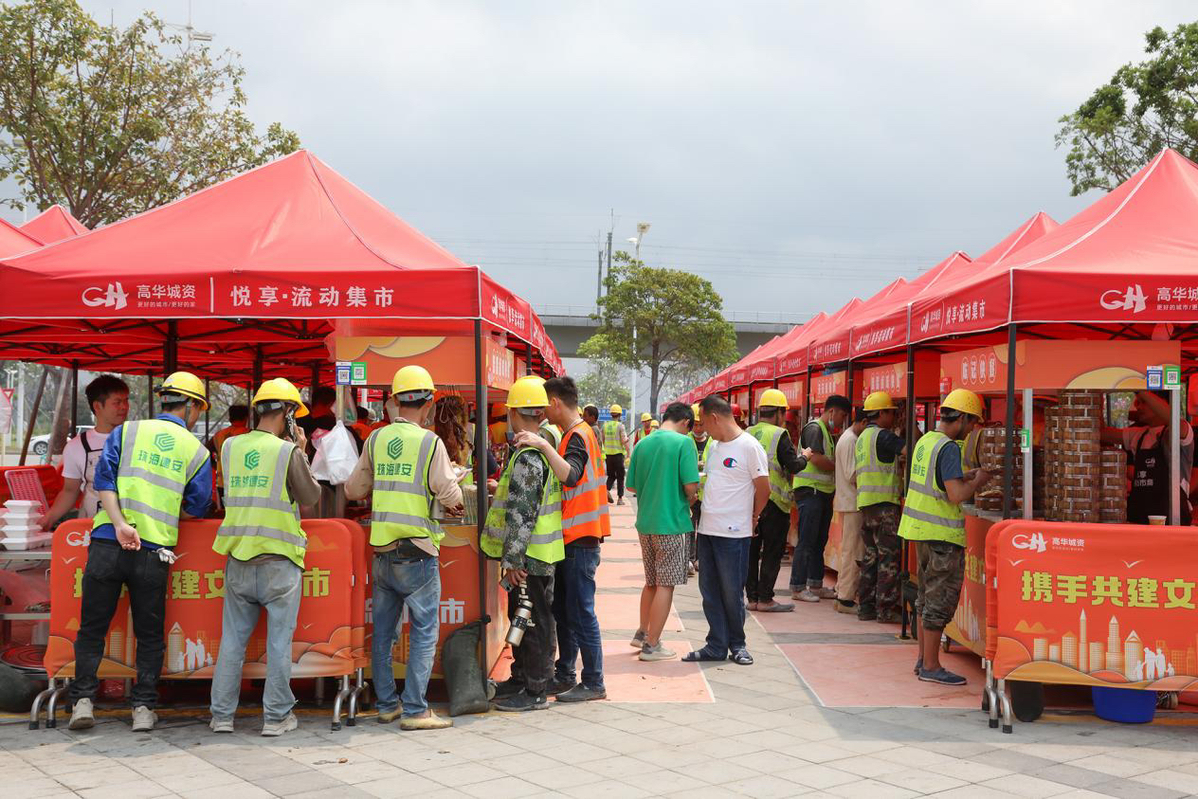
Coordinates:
(522, 703)
(509, 687)
(559, 685)
(581, 693)
(867, 615)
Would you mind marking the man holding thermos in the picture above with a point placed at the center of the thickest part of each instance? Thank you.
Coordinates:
(524, 531)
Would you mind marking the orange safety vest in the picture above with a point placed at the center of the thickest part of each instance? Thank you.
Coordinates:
(584, 507)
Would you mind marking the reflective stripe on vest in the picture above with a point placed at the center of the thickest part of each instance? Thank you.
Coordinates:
(401, 506)
(611, 438)
(769, 436)
(552, 433)
(702, 453)
(928, 515)
(877, 481)
(260, 516)
(814, 477)
(584, 506)
(545, 544)
(158, 458)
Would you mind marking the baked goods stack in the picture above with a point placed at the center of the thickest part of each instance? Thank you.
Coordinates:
(1112, 507)
(1074, 457)
(991, 453)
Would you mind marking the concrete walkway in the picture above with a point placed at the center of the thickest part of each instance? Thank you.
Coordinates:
(744, 731)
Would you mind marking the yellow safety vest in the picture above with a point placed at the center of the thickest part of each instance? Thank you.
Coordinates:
(814, 477)
(402, 502)
(611, 438)
(701, 451)
(769, 436)
(551, 432)
(928, 515)
(261, 518)
(877, 481)
(546, 544)
(157, 459)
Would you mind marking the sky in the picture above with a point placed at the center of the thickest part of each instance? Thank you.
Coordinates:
(796, 154)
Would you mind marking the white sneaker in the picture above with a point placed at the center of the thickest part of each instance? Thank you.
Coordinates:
(650, 654)
(82, 717)
(144, 719)
(273, 729)
(807, 595)
(221, 725)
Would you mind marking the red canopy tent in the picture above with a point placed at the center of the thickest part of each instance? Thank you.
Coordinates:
(250, 274)
(54, 224)
(14, 241)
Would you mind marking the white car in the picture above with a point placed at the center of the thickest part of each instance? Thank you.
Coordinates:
(40, 445)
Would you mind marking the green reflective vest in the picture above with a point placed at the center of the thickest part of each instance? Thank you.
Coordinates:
(260, 516)
(812, 476)
(546, 544)
(611, 438)
(157, 459)
(552, 433)
(769, 435)
(927, 514)
(877, 482)
(402, 503)
(701, 451)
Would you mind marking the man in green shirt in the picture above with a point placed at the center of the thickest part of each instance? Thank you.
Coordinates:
(664, 476)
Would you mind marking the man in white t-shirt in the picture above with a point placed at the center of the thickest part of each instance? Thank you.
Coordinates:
(736, 491)
(852, 548)
(108, 398)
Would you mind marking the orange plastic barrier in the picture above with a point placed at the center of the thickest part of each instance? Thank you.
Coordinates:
(324, 636)
(1095, 604)
(968, 625)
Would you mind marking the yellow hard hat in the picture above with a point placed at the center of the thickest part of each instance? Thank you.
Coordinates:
(645, 417)
(537, 378)
(878, 401)
(527, 393)
(411, 382)
(185, 384)
(695, 410)
(280, 389)
(965, 401)
(653, 425)
(773, 398)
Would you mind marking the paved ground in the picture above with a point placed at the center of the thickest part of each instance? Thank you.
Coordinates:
(765, 735)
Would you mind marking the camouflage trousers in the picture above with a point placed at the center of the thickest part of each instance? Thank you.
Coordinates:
(941, 574)
(878, 585)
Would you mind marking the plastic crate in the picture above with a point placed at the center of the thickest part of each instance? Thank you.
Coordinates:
(1126, 705)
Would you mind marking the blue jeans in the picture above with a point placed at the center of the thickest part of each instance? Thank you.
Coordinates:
(574, 612)
(401, 582)
(723, 563)
(251, 586)
(815, 517)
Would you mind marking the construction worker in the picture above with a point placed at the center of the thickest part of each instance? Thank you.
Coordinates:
(152, 473)
(267, 480)
(813, 489)
(585, 523)
(645, 429)
(407, 469)
(698, 435)
(879, 498)
(654, 426)
(239, 416)
(524, 531)
(615, 452)
(361, 425)
(844, 502)
(769, 542)
(932, 517)
(590, 415)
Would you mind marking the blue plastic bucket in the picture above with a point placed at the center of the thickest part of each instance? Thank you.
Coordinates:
(1127, 705)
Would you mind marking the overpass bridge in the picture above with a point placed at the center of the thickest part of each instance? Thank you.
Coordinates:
(570, 325)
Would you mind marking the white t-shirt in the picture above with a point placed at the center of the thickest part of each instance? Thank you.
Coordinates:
(79, 464)
(728, 493)
(845, 499)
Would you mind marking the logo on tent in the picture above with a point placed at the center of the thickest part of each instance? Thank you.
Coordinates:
(395, 448)
(1131, 300)
(112, 297)
(252, 459)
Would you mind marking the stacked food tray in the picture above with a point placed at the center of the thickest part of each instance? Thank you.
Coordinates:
(1073, 457)
(1112, 506)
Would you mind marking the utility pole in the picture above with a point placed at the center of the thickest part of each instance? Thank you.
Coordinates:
(599, 284)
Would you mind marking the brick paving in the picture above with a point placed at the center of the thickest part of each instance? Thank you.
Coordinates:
(764, 735)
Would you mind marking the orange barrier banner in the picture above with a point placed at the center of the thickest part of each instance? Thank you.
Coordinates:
(968, 625)
(323, 642)
(1096, 604)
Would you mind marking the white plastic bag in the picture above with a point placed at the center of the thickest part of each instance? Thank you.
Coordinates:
(336, 455)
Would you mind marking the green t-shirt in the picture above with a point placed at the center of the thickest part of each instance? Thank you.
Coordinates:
(661, 465)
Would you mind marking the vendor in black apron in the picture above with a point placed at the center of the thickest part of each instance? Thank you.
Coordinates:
(1148, 444)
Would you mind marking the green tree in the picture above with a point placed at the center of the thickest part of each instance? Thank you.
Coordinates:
(1145, 108)
(662, 321)
(110, 122)
(604, 384)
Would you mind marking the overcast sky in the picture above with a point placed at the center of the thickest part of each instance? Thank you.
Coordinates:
(795, 153)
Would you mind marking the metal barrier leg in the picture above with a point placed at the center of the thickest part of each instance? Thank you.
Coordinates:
(359, 686)
(990, 701)
(342, 695)
(35, 710)
(51, 706)
(318, 691)
(1007, 720)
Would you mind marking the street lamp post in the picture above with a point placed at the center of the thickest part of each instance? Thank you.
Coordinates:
(641, 229)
